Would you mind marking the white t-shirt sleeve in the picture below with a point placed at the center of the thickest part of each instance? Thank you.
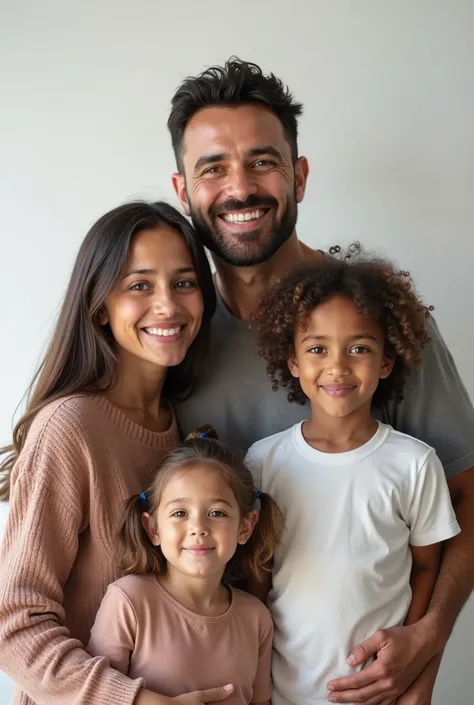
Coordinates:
(431, 517)
(255, 465)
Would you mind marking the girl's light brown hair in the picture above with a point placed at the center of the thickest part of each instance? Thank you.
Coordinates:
(253, 559)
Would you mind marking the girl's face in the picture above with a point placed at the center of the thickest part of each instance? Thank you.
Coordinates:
(339, 359)
(198, 523)
(155, 309)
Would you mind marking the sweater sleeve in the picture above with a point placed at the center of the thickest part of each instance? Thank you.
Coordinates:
(48, 506)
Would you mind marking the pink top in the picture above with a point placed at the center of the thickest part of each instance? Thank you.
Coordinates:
(146, 633)
(82, 459)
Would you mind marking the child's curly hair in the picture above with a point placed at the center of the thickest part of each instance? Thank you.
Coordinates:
(376, 288)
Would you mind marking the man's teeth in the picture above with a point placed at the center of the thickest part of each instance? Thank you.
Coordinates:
(163, 331)
(242, 217)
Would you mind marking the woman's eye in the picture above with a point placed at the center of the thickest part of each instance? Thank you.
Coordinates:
(140, 286)
(186, 284)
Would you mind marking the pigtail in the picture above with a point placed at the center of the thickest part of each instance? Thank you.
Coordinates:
(265, 537)
(137, 554)
(206, 431)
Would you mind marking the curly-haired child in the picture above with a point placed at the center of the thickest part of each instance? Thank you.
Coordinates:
(366, 507)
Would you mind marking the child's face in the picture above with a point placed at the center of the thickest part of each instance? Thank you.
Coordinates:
(339, 359)
(198, 524)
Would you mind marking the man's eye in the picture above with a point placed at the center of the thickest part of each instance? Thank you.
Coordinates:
(264, 163)
(212, 171)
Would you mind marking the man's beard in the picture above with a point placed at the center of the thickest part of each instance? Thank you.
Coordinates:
(241, 253)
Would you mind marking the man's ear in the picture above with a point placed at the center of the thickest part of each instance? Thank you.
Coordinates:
(293, 366)
(247, 525)
(179, 185)
(301, 177)
(149, 526)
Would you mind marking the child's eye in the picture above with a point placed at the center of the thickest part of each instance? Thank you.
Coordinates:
(217, 513)
(179, 513)
(317, 350)
(360, 349)
(140, 286)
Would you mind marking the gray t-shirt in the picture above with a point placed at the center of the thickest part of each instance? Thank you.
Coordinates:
(235, 396)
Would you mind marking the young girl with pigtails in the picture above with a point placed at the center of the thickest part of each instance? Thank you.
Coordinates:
(174, 619)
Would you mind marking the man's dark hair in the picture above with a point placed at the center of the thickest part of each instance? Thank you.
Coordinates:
(237, 82)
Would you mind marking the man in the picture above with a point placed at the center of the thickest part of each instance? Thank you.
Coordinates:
(240, 178)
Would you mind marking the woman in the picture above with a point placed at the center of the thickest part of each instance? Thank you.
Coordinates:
(131, 332)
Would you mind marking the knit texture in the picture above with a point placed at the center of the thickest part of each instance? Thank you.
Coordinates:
(82, 459)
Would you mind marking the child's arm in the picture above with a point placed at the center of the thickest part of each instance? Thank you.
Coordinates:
(114, 630)
(424, 572)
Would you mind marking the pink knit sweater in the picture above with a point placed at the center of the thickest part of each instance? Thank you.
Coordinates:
(82, 459)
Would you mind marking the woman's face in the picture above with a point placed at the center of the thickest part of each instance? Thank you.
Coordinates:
(155, 309)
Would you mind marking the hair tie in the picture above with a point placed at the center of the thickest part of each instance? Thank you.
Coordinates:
(203, 434)
(143, 497)
(257, 494)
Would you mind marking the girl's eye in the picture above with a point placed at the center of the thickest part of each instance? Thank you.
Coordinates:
(140, 286)
(179, 513)
(217, 513)
(186, 284)
(317, 350)
(360, 349)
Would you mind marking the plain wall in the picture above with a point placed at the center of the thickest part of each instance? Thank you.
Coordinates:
(389, 109)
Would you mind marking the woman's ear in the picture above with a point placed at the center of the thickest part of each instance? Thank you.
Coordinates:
(247, 525)
(103, 316)
(149, 526)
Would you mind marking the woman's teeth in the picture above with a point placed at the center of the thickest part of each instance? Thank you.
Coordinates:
(163, 331)
(242, 217)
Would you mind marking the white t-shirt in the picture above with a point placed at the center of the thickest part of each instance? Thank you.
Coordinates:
(343, 568)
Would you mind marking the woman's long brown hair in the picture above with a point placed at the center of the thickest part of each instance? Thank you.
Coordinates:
(80, 353)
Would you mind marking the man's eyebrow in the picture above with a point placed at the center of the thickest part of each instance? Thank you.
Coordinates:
(266, 149)
(209, 159)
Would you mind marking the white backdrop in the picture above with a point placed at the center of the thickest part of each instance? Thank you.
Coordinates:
(389, 110)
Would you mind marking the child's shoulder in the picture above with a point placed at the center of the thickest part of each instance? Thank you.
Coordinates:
(260, 449)
(245, 602)
(133, 588)
(402, 444)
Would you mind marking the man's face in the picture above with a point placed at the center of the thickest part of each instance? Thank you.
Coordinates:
(240, 185)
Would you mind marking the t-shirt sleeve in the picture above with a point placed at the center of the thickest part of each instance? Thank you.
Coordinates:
(436, 407)
(431, 517)
(114, 630)
(255, 464)
(262, 685)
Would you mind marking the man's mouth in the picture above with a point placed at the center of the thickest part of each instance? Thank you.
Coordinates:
(244, 216)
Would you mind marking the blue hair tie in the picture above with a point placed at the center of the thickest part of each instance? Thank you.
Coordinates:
(257, 494)
(204, 434)
(143, 497)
